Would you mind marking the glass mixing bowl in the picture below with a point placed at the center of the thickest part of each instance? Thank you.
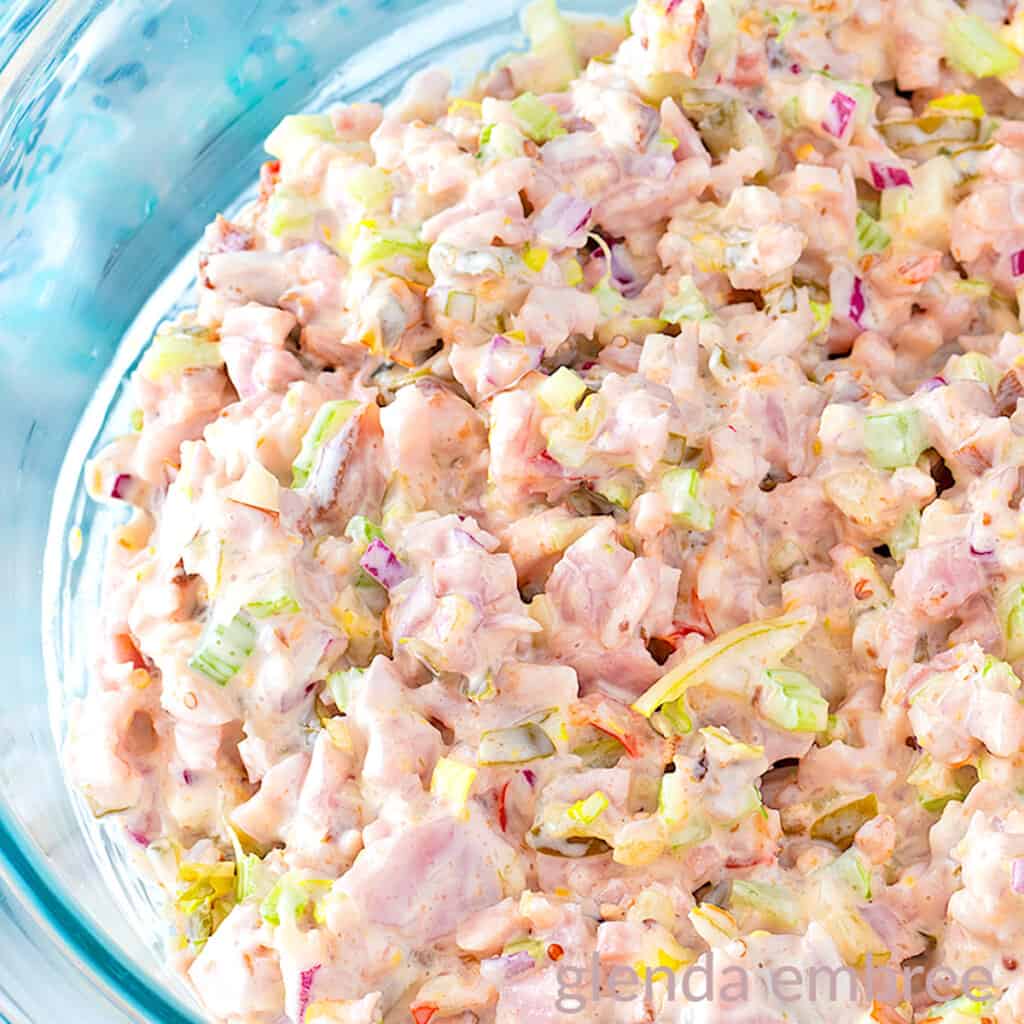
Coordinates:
(125, 126)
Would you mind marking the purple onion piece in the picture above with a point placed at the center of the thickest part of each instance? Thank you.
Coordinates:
(932, 384)
(499, 968)
(884, 922)
(530, 777)
(466, 540)
(138, 837)
(623, 274)
(857, 302)
(672, 5)
(381, 563)
(1017, 876)
(306, 979)
(840, 112)
(187, 777)
(1017, 263)
(505, 362)
(883, 177)
(122, 486)
(563, 223)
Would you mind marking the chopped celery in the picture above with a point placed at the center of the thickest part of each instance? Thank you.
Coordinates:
(281, 604)
(247, 870)
(224, 649)
(247, 867)
(938, 784)
(540, 121)
(686, 304)
(791, 701)
(894, 438)
(291, 897)
(342, 685)
(973, 366)
(568, 436)
(451, 782)
(587, 811)
(461, 306)
(681, 488)
(562, 391)
(906, 535)
(138, 420)
(822, 313)
(620, 489)
(770, 905)
(871, 236)
(362, 532)
(850, 870)
(673, 719)
(501, 142)
(176, 350)
(967, 104)
(1011, 614)
(369, 188)
(841, 822)
(974, 47)
(299, 132)
(676, 812)
(371, 247)
(515, 745)
(743, 651)
(327, 424)
(552, 42)
(288, 212)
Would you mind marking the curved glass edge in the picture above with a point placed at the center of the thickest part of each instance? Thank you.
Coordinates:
(375, 73)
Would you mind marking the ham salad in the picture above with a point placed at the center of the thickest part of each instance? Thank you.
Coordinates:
(577, 533)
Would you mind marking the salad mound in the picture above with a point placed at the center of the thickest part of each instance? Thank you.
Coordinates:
(579, 526)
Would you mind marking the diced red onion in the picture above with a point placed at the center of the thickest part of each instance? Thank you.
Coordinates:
(138, 837)
(883, 177)
(623, 274)
(186, 777)
(1017, 876)
(499, 968)
(1017, 263)
(884, 922)
(466, 540)
(530, 777)
(840, 112)
(506, 362)
(795, 69)
(857, 303)
(672, 5)
(122, 486)
(932, 384)
(306, 979)
(563, 223)
(380, 562)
